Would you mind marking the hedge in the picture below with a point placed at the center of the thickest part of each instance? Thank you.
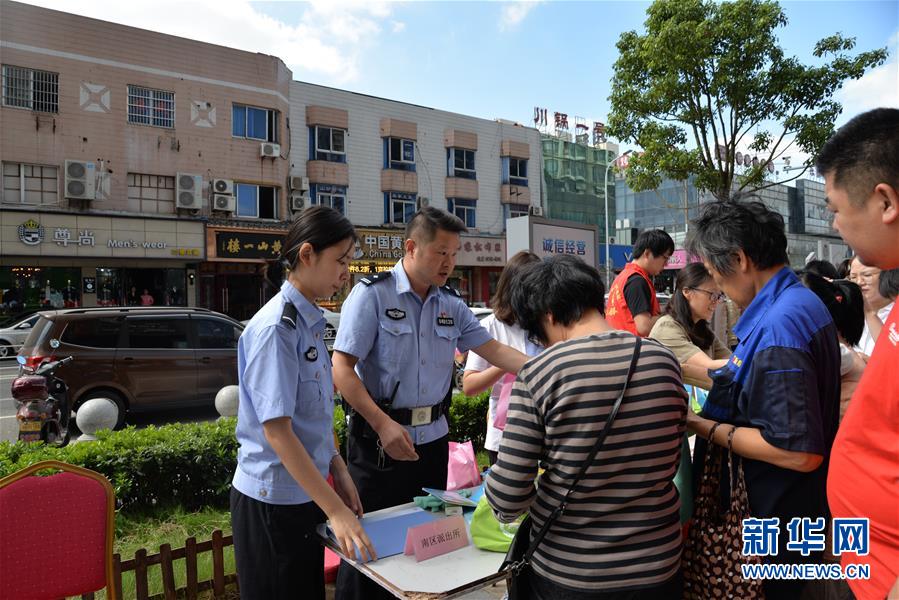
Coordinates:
(188, 464)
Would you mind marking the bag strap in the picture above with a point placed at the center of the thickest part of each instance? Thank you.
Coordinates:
(555, 514)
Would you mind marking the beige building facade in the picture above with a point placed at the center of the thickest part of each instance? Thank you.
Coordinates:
(133, 159)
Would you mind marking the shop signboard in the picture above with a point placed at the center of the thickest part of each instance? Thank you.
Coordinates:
(248, 245)
(65, 235)
(381, 244)
(477, 251)
(546, 237)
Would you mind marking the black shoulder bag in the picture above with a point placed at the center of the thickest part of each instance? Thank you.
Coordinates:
(518, 557)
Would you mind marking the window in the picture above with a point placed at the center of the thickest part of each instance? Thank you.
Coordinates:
(254, 123)
(327, 143)
(515, 171)
(399, 207)
(215, 333)
(151, 193)
(94, 333)
(157, 333)
(257, 201)
(333, 196)
(460, 163)
(464, 209)
(399, 154)
(28, 88)
(517, 210)
(30, 184)
(151, 107)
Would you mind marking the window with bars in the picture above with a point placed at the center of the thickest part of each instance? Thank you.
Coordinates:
(464, 209)
(31, 89)
(30, 184)
(151, 107)
(154, 194)
(460, 163)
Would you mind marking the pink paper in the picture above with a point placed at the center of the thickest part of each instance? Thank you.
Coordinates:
(436, 538)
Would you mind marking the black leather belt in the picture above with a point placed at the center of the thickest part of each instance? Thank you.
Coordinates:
(423, 415)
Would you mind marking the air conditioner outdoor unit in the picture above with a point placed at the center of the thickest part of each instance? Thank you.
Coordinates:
(536, 211)
(81, 180)
(189, 191)
(422, 202)
(269, 150)
(298, 184)
(223, 186)
(297, 202)
(224, 203)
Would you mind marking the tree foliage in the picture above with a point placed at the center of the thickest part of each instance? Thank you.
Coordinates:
(706, 74)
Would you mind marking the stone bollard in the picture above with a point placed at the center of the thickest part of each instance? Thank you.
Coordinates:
(94, 415)
(226, 401)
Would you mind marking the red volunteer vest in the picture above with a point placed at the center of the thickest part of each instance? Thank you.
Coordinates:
(617, 313)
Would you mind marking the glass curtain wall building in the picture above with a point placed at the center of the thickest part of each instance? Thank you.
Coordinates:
(574, 175)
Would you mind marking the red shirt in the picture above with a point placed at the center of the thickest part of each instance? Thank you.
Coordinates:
(617, 312)
(864, 464)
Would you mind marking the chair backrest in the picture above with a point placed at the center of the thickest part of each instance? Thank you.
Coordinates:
(56, 533)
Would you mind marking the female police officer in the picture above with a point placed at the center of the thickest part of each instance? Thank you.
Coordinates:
(284, 424)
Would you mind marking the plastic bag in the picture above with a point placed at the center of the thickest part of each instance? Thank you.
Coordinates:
(462, 470)
(502, 404)
(489, 534)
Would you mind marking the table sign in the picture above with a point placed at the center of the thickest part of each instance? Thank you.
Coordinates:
(436, 538)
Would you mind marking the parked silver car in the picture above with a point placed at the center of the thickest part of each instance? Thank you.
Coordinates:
(14, 332)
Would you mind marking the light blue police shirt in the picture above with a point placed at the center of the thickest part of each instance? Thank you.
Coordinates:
(399, 338)
(283, 372)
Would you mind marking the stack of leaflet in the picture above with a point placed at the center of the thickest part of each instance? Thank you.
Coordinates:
(458, 497)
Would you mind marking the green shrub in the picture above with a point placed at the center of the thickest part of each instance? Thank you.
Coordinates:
(184, 464)
(468, 419)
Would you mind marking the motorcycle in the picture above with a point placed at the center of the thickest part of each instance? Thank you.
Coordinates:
(42, 402)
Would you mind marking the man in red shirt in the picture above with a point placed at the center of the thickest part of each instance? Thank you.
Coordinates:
(632, 304)
(860, 164)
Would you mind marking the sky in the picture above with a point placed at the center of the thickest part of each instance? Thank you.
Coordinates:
(486, 59)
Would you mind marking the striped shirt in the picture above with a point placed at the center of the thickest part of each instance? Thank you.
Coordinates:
(621, 527)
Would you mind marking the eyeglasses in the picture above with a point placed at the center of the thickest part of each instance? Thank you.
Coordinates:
(713, 296)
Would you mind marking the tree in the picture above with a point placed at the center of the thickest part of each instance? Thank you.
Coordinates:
(707, 77)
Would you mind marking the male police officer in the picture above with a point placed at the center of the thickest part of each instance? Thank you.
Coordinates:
(393, 363)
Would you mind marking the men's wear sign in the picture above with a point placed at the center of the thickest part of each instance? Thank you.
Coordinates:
(65, 235)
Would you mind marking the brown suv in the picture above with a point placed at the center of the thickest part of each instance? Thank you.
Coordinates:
(142, 358)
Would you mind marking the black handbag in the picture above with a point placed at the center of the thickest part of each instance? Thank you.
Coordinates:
(518, 558)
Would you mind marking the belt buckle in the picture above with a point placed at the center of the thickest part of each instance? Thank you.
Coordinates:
(421, 416)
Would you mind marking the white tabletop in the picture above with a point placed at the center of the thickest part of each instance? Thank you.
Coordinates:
(447, 576)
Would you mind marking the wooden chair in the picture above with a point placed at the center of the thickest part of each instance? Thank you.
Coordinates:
(56, 533)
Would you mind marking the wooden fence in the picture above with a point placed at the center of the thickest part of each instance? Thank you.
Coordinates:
(165, 559)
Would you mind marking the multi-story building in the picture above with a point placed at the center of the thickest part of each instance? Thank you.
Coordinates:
(135, 160)
(802, 206)
(378, 160)
(118, 147)
(575, 173)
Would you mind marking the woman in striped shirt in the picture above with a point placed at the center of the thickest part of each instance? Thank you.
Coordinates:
(619, 536)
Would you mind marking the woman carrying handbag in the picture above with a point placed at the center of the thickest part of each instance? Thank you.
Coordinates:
(604, 418)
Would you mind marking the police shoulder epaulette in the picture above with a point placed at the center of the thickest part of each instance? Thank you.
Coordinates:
(376, 278)
(289, 315)
(452, 291)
